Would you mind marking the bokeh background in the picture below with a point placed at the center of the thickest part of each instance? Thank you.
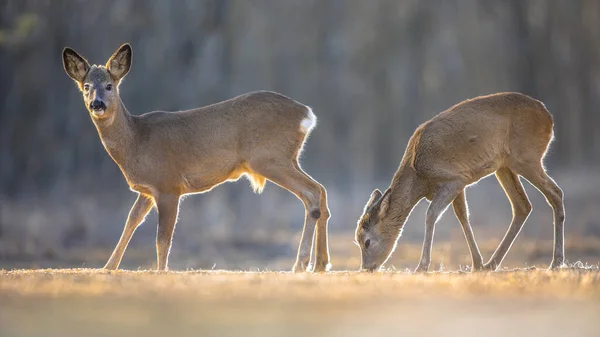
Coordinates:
(371, 70)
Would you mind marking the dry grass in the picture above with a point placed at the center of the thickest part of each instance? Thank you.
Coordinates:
(78, 302)
(92, 302)
(284, 286)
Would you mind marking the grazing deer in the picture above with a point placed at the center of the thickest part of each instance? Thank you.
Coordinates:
(505, 133)
(164, 155)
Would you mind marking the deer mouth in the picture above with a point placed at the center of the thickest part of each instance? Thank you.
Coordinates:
(98, 108)
(98, 112)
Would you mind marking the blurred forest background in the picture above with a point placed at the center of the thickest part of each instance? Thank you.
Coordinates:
(371, 70)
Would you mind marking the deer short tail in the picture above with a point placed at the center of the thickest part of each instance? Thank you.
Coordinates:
(309, 122)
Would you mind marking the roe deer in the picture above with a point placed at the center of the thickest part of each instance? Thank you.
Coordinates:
(505, 133)
(164, 155)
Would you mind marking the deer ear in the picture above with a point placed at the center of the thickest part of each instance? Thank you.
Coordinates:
(120, 62)
(385, 203)
(75, 65)
(374, 197)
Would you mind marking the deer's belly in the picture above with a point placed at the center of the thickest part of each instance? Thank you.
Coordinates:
(482, 171)
(143, 189)
(142, 184)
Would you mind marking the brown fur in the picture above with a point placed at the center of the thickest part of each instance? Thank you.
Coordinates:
(164, 155)
(505, 133)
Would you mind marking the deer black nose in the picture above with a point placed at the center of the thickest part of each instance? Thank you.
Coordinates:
(97, 105)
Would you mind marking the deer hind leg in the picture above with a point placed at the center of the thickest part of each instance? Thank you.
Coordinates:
(323, 263)
(138, 212)
(439, 203)
(554, 196)
(521, 208)
(293, 179)
(320, 260)
(320, 240)
(461, 211)
(168, 207)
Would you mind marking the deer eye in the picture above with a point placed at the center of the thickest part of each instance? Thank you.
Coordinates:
(367, 243)
(86, 87)
(109, 87)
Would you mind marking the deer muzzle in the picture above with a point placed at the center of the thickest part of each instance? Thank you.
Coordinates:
(98, 107)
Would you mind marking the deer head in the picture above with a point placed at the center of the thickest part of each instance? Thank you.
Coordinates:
(373, 234)
(99, 84)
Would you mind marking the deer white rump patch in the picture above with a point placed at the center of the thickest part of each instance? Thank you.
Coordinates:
(309, 122)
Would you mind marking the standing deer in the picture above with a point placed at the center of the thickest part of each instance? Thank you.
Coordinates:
(164, 155)
(505, 133)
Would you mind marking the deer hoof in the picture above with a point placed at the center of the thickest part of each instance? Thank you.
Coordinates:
(300, 267)
(557, 265)
(321, 267)
(489, 267)
(110, 266)
(477, 267)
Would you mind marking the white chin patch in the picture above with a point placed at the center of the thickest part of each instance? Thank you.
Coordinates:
(98, 113)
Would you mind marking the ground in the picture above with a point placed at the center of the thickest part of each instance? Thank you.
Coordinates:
(92, 302)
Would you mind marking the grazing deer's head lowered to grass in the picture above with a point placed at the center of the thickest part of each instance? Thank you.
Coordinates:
(164, 155)
(506, 134)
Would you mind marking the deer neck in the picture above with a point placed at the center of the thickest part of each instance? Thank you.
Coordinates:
(117, 134)
(406, 190)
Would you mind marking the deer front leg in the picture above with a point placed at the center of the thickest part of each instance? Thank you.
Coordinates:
(138, 212)
(438, 205)
(460, 210)
(168, 207)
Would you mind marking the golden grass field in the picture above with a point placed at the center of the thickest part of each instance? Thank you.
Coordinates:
(93, 302)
